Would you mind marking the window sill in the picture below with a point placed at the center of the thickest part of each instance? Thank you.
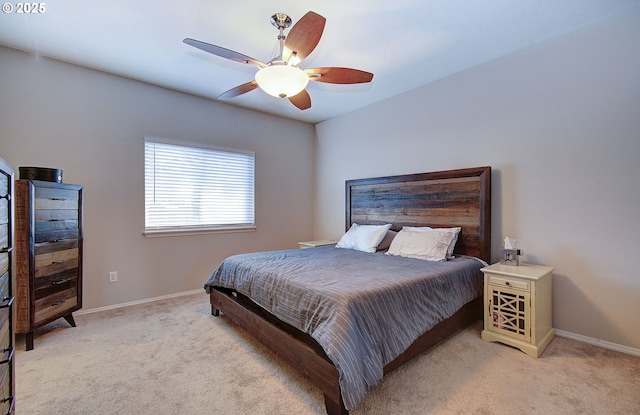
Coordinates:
(149, 233)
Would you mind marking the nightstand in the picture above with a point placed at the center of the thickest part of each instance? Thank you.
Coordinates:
(517, 306)
(312, 244)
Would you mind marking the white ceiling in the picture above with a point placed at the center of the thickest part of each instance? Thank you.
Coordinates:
(405, 43)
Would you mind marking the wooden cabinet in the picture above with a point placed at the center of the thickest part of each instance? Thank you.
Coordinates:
(48, 254)
(517, 306)
(7, 339)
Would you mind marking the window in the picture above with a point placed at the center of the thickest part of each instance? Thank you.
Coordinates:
(195, 189)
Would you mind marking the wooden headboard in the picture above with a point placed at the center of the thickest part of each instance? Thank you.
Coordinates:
(441, 199)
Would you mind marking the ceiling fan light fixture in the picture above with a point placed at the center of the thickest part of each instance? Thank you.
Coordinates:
(281, 77)
(281, 80)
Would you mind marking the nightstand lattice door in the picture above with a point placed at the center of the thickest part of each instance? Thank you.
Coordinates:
(509, 312)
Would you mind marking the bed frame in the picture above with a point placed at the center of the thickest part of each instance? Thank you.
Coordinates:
(438, 199)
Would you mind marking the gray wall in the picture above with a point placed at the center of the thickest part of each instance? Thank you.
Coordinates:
(560, 125)
(92, 125)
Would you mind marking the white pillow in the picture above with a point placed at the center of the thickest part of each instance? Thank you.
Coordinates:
(430, 246)
(363, 237)
(452, 244)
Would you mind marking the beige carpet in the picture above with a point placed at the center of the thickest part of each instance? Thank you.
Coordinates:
(173, 357)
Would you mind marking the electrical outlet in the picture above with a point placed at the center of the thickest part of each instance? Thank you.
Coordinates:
(113, 276)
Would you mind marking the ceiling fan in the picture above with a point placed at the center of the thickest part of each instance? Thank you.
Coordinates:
(282, 77)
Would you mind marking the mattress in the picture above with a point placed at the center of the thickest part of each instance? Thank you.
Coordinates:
(364, 309)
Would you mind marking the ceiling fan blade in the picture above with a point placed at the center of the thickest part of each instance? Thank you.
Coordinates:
(302, 100)
(239, 90)
(339, 75)
(225, 53)
(303, 36)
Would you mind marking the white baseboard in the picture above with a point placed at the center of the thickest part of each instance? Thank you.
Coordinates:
(597, 342)
(147, 300)
(562, 333)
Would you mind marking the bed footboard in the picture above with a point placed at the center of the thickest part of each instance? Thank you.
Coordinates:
(306, 356)
(296, 348)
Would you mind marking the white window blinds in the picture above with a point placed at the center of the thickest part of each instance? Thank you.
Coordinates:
(190, 188)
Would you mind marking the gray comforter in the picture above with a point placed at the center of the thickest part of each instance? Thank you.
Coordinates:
(364, 309)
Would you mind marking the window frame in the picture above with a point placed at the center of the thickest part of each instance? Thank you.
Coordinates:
(199, 229)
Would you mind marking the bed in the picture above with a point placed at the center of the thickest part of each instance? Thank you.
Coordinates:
(316, 308)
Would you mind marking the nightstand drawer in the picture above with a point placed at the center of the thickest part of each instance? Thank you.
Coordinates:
(511, 283)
